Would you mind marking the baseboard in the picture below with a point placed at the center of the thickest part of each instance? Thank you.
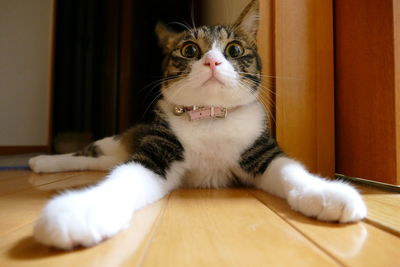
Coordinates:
(9, 150)
(380, 185)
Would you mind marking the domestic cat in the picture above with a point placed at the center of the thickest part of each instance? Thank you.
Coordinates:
(209, 131)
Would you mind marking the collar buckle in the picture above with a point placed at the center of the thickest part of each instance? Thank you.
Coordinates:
(219, 116)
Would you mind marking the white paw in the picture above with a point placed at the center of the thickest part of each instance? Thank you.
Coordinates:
(41, 163)
(329, 201)
(75, 219)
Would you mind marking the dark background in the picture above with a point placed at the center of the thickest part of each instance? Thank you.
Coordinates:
(106, 57)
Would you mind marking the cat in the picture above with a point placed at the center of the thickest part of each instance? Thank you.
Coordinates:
(209, 131)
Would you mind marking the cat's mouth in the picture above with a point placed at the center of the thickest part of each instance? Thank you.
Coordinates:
(213, 80)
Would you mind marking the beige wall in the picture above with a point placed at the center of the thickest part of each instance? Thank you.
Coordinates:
(25, 27)
(222, 11)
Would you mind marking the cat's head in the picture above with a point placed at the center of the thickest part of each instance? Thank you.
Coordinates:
(212, 66)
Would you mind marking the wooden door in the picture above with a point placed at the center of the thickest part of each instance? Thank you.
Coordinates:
(367, 89)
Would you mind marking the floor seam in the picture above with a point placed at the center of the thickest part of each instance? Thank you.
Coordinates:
(329, 254)
(382, 227)
(156, 227)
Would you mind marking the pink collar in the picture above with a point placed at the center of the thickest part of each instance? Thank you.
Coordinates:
(200, 112)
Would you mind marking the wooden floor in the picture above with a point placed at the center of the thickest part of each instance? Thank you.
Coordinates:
(235, 227)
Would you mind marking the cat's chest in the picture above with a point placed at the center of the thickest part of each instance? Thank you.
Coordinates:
(223, 139)
(214, 147)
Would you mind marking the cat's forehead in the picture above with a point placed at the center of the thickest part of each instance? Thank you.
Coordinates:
(206, 36)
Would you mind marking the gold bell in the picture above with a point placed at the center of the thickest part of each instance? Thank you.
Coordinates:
(178, 110)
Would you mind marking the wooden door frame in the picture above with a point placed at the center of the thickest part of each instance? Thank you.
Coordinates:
(296, 46)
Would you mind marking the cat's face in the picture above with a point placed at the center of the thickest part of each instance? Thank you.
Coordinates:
(212, 66)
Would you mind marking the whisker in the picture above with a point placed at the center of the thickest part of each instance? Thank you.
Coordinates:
(270, 76)
(181, 24)
(192, 15)
(260, 85)
(160, 81)
(248, 81)
(270, 102)
(151, 103)
(158, 93)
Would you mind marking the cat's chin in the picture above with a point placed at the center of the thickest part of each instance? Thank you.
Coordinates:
(212, 92)
(212, 82)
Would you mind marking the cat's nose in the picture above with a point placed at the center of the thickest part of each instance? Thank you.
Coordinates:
(212, 62)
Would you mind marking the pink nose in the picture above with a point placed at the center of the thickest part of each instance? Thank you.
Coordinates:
(212, 62)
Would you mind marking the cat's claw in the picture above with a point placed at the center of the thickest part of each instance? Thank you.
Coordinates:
(333, 202)
(72, 220)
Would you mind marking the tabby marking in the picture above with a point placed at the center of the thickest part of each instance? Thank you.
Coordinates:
(256, 158)
(91, 150)
(154, 146)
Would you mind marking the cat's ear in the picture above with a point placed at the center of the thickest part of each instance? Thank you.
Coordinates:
(248, 19)
(165, 36)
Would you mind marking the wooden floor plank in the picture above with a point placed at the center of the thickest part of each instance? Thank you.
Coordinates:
(358, 244)
(23, 207)
(18, 248)
(200, 227)
(383, 208)
(10, 183)
(10, 174)
(137, 258)
(227, 228)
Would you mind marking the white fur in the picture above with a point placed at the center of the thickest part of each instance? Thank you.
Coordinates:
(113, 154)
(88, 216)
(311, 195)
(213, 147)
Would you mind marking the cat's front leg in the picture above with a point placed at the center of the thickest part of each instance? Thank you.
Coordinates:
(86, 217)
(310, 194)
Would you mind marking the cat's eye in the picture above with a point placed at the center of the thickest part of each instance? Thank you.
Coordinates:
(234, 50)
(190, 50)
